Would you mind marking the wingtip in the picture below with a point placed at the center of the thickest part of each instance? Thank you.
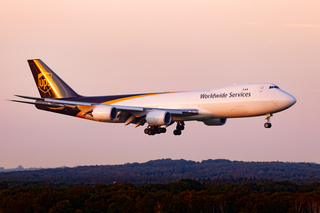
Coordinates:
(21, 96)
(12, 100)
(29, 97)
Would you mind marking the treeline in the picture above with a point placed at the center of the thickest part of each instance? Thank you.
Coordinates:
(182, 196)
(167, 170)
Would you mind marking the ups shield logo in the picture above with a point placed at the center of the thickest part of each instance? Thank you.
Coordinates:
(43, 82)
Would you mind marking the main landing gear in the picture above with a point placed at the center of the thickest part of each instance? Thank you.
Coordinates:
(268, 124)
(179, 128)
(152, 130)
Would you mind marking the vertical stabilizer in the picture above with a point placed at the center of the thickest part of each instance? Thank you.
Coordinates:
(49, 84)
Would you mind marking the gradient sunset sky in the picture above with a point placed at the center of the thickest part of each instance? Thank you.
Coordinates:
(104, 47)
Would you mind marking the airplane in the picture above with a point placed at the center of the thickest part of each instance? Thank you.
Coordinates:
(159, 110)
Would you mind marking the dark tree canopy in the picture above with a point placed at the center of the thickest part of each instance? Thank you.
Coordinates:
(167, 170)
(183, 196)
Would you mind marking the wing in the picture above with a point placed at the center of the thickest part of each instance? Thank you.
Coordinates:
(127, 114)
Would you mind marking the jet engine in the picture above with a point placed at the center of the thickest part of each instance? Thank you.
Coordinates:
(215, 121)
(158, 118)
(104, 113)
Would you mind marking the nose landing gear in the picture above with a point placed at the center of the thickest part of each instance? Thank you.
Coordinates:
(268, 124)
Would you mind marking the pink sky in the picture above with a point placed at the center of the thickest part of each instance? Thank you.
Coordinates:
(119, 47)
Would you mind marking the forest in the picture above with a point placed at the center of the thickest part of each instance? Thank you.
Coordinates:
(167, 170)
(218, 186)
(182, 196)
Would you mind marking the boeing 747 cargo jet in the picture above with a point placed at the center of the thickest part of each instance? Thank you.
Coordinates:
(159, 110)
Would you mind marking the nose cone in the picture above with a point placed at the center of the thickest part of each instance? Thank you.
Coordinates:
(285, 100)
(292, 100)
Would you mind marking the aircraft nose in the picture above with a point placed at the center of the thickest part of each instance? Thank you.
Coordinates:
(292, 100)
(285, 100)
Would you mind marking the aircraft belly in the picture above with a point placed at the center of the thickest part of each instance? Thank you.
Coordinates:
(227, 109)
(235, 109)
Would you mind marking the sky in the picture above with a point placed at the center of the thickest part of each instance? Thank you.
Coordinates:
(106, 47)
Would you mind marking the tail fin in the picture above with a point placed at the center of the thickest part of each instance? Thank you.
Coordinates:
(49, 84)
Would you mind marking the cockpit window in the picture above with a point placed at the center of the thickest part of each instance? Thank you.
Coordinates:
(274, 87)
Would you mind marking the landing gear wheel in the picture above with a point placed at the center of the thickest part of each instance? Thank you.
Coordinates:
(180, 127)
(146, 131)
(267, 125)
(177, 132)
(163, 130)
(152, 130)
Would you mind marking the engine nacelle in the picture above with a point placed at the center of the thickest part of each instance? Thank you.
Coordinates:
(215, 121)
(104, 113)
(158, 118)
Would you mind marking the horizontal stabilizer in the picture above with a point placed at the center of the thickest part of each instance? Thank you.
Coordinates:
(42, 104)
(28, 97)
(56, 100)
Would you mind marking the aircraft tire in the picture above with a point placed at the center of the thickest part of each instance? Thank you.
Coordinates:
(151, 132)
(267, 125)
(181, 127)
(177, 132)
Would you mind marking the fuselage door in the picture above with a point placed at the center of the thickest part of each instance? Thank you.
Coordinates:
(261, 89)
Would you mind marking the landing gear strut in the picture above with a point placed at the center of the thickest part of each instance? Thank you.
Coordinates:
(268, 124)
(152, 130)
(179, 128)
